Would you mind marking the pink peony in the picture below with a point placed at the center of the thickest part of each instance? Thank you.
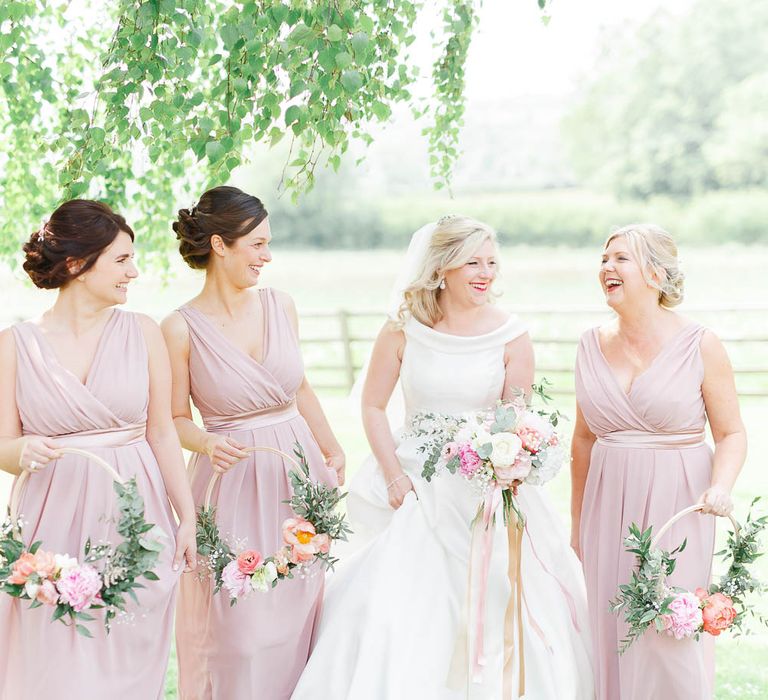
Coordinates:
(450, 450)
(718, 612)
(304, 542)
(22, 569)
(534, 431)
(47, 593)
(79, 587)
(235, 581)
(684, 619)
(469, 460)
(248, 561)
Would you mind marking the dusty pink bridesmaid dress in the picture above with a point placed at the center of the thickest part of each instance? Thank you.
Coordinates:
(258, 648)
(72, 499)
(649, 462)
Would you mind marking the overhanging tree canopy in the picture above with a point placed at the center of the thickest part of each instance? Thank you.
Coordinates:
(134, 101)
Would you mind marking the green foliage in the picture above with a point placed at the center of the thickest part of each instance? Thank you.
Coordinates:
(145, 101)
(677, 106)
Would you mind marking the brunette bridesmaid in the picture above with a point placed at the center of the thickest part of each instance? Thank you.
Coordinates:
(235, 353)
(89, 375)
(647, 383)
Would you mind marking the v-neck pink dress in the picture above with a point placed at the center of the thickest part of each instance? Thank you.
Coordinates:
(73, 499)
(649, 462)
(258, 648)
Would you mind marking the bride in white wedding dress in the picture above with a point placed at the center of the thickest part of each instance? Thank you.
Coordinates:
(400, 615)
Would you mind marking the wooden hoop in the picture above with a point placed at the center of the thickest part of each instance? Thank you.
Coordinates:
(684, 512)
(217, 475)
(13, 505)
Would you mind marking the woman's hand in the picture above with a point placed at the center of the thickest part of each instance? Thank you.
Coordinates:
(186, 546)
(224, 452)
(338, 462)
(397, 488)
(37, 452)
(716, 501)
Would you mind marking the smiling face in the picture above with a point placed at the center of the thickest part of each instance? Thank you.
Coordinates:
(242, 261)
(107, 280)
(621, 276)
(471, 283)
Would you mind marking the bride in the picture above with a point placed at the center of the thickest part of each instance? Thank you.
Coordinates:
(400, 618)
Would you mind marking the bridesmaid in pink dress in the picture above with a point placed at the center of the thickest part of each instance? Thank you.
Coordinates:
(235, 352)
(91, 376)
(646, 384)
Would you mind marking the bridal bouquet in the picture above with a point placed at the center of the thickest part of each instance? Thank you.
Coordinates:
(510, 443)
(307, 538)
(647, 600)
(71, 587)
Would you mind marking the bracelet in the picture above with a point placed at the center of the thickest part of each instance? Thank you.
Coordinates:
(395, 480)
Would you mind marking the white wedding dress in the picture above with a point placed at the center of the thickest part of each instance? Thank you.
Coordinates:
(395, 618)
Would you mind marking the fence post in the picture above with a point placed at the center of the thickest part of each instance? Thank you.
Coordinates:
(349, 367)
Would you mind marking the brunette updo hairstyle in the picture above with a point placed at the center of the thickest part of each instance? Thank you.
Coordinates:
(79, 230)
(226, 211)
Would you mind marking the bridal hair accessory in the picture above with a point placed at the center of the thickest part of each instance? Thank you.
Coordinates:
(648, 601)
(446, 219)
(41, 230)
(71, 587)
(307, 537)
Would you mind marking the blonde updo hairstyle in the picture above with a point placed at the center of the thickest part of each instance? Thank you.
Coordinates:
(656, 253)
(452, 244)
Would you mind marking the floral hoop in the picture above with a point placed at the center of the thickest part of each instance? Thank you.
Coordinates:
(647, 599)
(307, 537)
(70, 587)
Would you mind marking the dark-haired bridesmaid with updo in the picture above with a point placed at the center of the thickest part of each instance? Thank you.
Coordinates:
(235, 352)
(89, 375)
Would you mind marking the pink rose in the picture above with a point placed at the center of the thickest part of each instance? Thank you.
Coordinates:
(718, 612)
(450, 450)
(79, 587)
(469, 460)
(47, 593)
(534, 431)
(22, 569)
(303, 540)
(248, 561)
(684, 619)
(516, 472)
(235, 581)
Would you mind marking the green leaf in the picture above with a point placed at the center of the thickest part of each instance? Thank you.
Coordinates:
(82, 629)
(215, 151)
(334, 33)
(343, 59)
(352, 80)
(360, 44)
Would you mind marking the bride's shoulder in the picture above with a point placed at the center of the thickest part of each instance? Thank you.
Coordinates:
(391, 338)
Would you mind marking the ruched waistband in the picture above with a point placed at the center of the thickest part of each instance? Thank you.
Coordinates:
(108, 437)
(633, 439)
(261, 418)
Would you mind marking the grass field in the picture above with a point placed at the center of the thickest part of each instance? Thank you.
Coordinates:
(328, 280)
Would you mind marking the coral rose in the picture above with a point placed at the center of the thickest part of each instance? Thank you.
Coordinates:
(22, 569)
(248, 561)
(45, 564)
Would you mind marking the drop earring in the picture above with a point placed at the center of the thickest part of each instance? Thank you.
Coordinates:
(442, 284)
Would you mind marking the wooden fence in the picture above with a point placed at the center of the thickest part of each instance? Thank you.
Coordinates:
(335, 343)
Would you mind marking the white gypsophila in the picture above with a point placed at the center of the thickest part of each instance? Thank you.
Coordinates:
(506, 448)
(552, 460)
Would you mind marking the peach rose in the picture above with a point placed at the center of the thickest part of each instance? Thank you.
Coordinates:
(718, 612)
(47, 593)
(45, 564)
(248, 561)
(22, 569)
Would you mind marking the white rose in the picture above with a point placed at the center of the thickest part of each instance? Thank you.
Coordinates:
(64, 562)
(270, 571)
(506, 447)
(31, 589)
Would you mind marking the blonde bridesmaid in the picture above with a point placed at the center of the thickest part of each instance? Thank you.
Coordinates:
(647, 383)
(235, 353)
(89, 375)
